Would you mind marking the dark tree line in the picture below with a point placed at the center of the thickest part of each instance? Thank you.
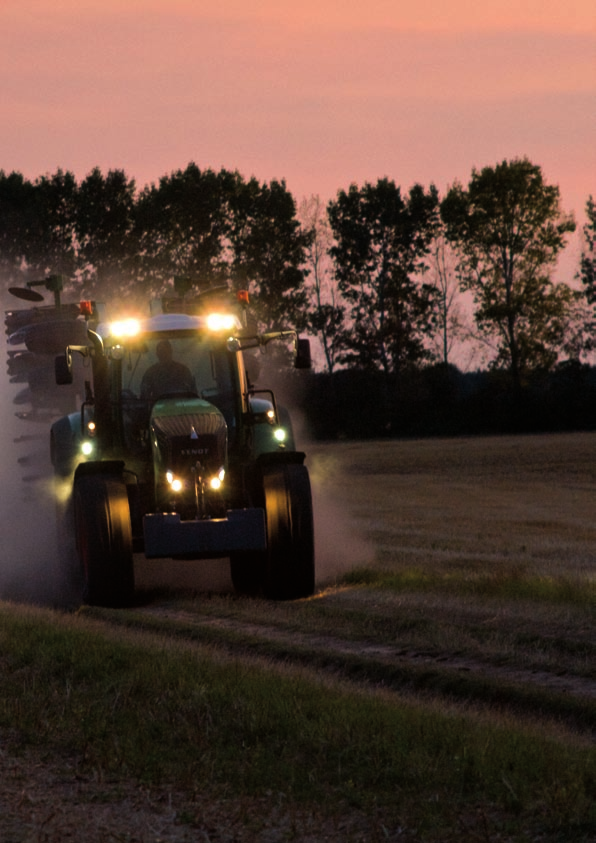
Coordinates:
(439, 400)
(117, 244)
(373, 275)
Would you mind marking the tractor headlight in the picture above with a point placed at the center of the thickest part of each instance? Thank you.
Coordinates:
(87, 448)
(222, 322)
(279, 434)
(125, 328)
(216, 482)
(175, 483)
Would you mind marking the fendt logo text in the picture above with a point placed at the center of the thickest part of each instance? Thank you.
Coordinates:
(194, 452)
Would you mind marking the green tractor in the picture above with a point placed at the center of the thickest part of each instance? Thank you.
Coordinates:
(175, 454)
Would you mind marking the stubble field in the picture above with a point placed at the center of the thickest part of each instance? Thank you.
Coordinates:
(457, 582)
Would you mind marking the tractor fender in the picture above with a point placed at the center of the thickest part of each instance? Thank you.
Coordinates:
(113, 467)
(281, 458)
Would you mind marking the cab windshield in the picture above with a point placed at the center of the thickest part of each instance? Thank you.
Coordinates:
(162, 366)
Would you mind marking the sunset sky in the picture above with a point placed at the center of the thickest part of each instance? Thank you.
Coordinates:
(320, 93)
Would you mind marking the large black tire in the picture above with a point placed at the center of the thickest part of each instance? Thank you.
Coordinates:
(104, 540)
(289, 571)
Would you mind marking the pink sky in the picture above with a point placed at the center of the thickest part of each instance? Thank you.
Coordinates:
(319, 93)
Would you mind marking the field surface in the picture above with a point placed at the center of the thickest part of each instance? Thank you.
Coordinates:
(457, 581)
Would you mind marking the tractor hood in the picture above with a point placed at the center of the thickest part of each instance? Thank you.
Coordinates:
(186, 432)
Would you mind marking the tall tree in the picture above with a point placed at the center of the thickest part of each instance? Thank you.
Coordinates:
(37, 235)
(588, 258)
(269, 252)
(182, 226)
(583, 325)
(16, 221)
(326, 313)
(56, 211)
(509, 229)
(104, 225)
(444, 278)
(382, 240)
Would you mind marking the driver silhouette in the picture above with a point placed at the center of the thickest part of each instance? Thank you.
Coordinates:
(167, 376)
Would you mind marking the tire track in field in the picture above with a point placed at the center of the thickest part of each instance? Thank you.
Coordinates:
(532, 696)
(576, 686)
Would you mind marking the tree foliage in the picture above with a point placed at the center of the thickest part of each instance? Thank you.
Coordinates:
(104, 227)
(17, 224)
(508, 229)
(588, 258)
(371, 274)
(382, 239)
(182, 226)
(37, 225)
(210, 227)
(268, 252)
(326, 312)
(443, 277)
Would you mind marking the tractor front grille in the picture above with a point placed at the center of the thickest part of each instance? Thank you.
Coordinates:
(191, 438)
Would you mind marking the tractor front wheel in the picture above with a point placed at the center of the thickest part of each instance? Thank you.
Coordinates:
(104, 540)
(289, 570)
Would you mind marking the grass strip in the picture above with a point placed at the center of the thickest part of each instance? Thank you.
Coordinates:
(458, 686)
(543, 644)
(137, 706)
(506, 582)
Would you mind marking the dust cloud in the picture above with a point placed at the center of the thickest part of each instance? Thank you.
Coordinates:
(340, 545)
(29, 565)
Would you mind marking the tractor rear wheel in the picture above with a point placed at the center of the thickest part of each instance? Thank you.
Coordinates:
(289, 571)
(104, 540)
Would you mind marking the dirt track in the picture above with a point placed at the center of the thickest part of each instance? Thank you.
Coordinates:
(293, 641)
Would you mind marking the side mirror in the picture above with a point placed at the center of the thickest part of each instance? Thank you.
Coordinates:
(303, 359)
(63, 369)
